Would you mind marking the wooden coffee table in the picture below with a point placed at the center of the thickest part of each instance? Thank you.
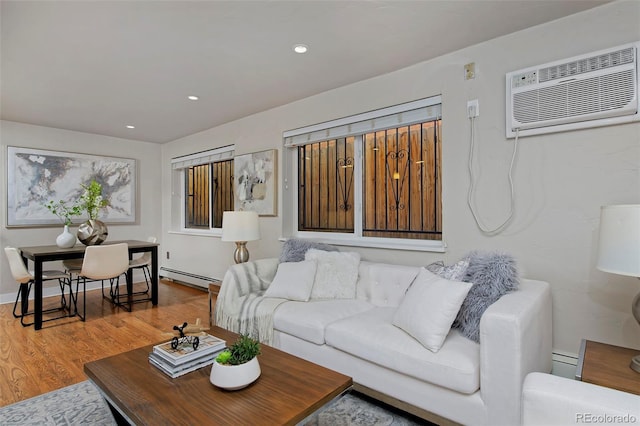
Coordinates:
(288, 390)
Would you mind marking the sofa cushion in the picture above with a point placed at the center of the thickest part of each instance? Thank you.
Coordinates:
(454, 272)
(308, 320)
(384, 284)
(294, 249)
(293, 281)
(429, 308)
(370, 335)
(493, 275)
(336, 274)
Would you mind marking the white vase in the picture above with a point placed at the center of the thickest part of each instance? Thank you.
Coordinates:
(66, 239)
(234, 377)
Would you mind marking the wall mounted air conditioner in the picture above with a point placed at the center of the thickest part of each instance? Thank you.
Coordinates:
(596, 89)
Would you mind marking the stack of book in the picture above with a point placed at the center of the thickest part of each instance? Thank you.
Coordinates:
(184, 359)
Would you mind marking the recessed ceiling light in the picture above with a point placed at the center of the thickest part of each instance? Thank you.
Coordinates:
(300, 48)
(192, 98)
(129, 126)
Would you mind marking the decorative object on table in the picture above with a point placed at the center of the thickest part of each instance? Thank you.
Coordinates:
(35, 176)
(619, 249)
(66, 239)
(187, 334)
(240, 227)
(254, 182)
(93, 231)
(238, 366)
(65, 213)
(186, 357)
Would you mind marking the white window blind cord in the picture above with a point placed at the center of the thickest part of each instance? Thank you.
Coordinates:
(472, 185)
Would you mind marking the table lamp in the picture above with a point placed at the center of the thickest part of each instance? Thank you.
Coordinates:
(240, 227)
(619, 249)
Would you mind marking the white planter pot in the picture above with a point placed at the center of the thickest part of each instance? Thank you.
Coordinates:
(66, 239)
(234, 377)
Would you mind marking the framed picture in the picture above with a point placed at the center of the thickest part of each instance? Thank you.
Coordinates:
(35, 177)
(254, 182)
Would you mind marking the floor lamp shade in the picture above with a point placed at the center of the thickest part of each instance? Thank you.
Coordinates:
(619, 243)
(619, 249)
(240, 227)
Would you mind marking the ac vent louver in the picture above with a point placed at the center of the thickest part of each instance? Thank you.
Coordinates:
(592, 90)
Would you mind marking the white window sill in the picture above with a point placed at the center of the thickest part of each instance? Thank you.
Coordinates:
(199, 232)
(369, 242)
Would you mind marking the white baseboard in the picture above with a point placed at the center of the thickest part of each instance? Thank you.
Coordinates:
(564, 364)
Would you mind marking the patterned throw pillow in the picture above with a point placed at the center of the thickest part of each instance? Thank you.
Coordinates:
(336, 274)
(294, 249)
(455, 272)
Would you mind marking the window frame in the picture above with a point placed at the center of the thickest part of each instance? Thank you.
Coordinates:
(291, 183)
(179, 167)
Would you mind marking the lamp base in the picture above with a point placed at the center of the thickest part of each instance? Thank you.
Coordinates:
(635, 309)
(241, 255)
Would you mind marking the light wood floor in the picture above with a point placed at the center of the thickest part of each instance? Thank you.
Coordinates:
(35, 362)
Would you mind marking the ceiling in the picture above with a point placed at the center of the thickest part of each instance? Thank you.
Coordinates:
(97, 66)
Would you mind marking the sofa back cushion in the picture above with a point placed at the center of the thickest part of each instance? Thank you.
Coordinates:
(336, 274)
(384, 284)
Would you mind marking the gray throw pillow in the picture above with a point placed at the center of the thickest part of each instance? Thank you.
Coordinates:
(493, 275)
(294, 249)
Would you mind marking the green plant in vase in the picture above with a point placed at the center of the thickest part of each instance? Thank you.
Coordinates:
(237, 367)
(65, 212)
(93, 231)
(242, 351)
(91, 199)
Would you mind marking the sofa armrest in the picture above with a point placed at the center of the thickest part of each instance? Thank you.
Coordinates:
(553, 400)
(515, 339)
(241, 280)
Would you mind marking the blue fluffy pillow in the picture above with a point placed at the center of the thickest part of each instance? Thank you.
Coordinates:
(294, 249)
(493, 275)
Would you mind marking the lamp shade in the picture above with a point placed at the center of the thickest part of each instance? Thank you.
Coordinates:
(619, 245)
(240, 226)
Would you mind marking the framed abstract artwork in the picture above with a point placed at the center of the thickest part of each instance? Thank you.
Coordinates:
(36, 176)
(254, 182)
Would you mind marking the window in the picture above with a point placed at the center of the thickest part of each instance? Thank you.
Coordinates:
(207, 187)
(371, 177)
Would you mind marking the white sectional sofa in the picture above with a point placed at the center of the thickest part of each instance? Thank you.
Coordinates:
(463, 382)
(551, 400)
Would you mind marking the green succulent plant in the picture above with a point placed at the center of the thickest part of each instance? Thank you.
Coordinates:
(242, 351)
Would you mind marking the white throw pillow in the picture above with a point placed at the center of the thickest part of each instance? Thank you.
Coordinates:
(293, 281)
(336, 274)
(429, 308)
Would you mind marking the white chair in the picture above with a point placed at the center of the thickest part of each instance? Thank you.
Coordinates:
(26, 279)
(143, 262)
(103, 262)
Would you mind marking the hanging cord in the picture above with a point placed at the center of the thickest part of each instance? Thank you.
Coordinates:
(472, 184)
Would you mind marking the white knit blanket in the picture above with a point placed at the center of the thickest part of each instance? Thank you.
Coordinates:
(240, 306)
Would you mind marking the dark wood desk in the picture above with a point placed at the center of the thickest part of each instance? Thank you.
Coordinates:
(288, 390)
(41, 254)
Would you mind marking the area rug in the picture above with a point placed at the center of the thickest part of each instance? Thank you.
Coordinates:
(82, 404)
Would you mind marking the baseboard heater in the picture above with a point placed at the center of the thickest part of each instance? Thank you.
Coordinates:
(186, 277)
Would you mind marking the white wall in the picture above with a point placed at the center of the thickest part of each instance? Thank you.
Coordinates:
(28, 136)
(561, 179)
